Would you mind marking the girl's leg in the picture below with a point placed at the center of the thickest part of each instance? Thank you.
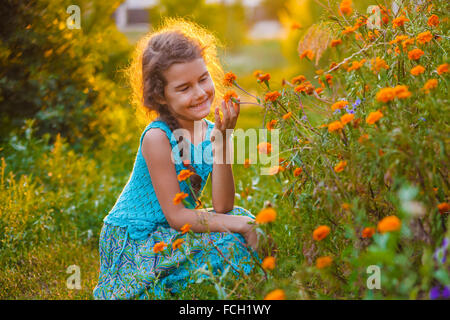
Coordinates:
(237, 211)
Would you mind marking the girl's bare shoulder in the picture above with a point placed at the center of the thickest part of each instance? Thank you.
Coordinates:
(155, 144)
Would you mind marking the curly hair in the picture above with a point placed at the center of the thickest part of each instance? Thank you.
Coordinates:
(176, 41)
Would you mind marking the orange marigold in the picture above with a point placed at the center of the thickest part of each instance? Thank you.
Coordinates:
(298, 79)
(287, 115)
(271, 124)
(346, 206)
(443, 68)
(264, 147)
(264, 77)
(185, 228)
(297, 171)
(374, 117)
(335, 43)
(307, 53)
(356, 65)
(389, 224)
(345, 8)
(272, 96)
(433, 20)
(378, 64)
(340, 166)
(177, 244)
(430, 85)
(385, 95)
(417, 70)
(158, 247)
(184, 174)
(229, 95)
(295, 25)
(346, 118)
(229, 78)
(275, 169)
(266, 215)
(246, 163)
(368, 232)
(257, 73)
(363, 138)
(321, 232)
(268, 263)
(415, 54)
(334, 126)
(402, 92)
(178, 197)
(424, 37)
(443, 207)
(399, 22)
(323, 262)
(339, 105)
(277, 294)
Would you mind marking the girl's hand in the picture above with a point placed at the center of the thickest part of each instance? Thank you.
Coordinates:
(249, 234)
(230, 112)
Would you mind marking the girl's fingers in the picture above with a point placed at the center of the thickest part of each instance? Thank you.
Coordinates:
(218, 121)
(226, 114)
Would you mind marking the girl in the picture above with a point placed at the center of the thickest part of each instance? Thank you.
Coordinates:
(144, 244)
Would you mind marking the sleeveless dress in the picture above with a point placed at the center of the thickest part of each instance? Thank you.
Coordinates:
(130, 269)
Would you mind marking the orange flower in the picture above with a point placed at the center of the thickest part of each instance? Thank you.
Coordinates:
(321, 233)
(430, 85)
(346, 118)
(378, 64)
(368, 232)
(340, 166)
(246, 163)
(417, 70)
(185, 228)
(443, 207)
(307, 53)
(268, 263)
(349, 29)
(334, 126)
(264, 147)
(345, 7)
(272, 96)
(399, 22)
(323, 262)
(374, 117)
(363, 138)
(346, 206)
(433, 21)
(277, 294)
(266, 215)
(339, 105)
(158, 247)
(298, 79)
(319, 90)
(230, 94)
(389, 224)
(177, 244)
(306, 87)
(443, 68)
(257, 73)
(295, 26)
(399, 38)
(184, 174)
(271, 124)
(424, 37)
(287, 115)
(297, 171)
(178, 197)
(385, 95)
(402, 92)
(275, 169)
(415, 54)
(356, 65)
(335, 43)
(229, 78)
(264, 77)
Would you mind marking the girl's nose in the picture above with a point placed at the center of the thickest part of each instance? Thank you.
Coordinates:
(200, 93)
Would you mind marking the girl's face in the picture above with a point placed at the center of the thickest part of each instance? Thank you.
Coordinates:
(189, 92)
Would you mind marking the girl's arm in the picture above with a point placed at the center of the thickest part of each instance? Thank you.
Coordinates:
(157, 150)
(222, 180)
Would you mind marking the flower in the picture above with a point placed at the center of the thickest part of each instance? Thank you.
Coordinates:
(345, 8)
(321, 232)
(415, 54)
(399, 38)
(184, 174)
(177, 244)
(276, 294)
(356, 65)
(185, 228)
(424, 37)
(266, 215)
(229, 78)
(272, 96)
(246, 163)
(229, 95)
(443, 68)
(374, 117)
(336, 125)
(417, 70)
(275, 169)
(295, 25)
(433, 21)
(363, 138)
(378, 64)
(399, 22)
(349, 29)
(368, 232)
(430, 85)
(443, 207)
(298, 79)
(323, 262)
(346, 206)
(264, 77)
(340, 166)
(346, 118)
(264, 147)
(335, 43)
(305, 87)
(298, 171)
(271, 124)
(158, 247)
(268, 263)
(402, 92)
(287, 115)
(307, 53)
(257, 73)
(178, 197)
(440, 254)
(339, 105)
(389, 224)
(385, 95)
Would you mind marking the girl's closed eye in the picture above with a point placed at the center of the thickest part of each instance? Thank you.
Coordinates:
(202, 80)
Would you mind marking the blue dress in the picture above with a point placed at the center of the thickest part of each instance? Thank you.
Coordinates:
(129, 267)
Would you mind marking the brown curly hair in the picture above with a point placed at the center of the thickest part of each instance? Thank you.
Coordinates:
(176, 41)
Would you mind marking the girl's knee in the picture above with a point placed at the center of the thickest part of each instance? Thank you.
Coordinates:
(239, 211)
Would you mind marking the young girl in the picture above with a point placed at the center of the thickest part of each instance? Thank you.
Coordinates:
(144, 246)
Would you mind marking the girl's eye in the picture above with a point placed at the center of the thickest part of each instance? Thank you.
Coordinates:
(204, 79)
(184, 89)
